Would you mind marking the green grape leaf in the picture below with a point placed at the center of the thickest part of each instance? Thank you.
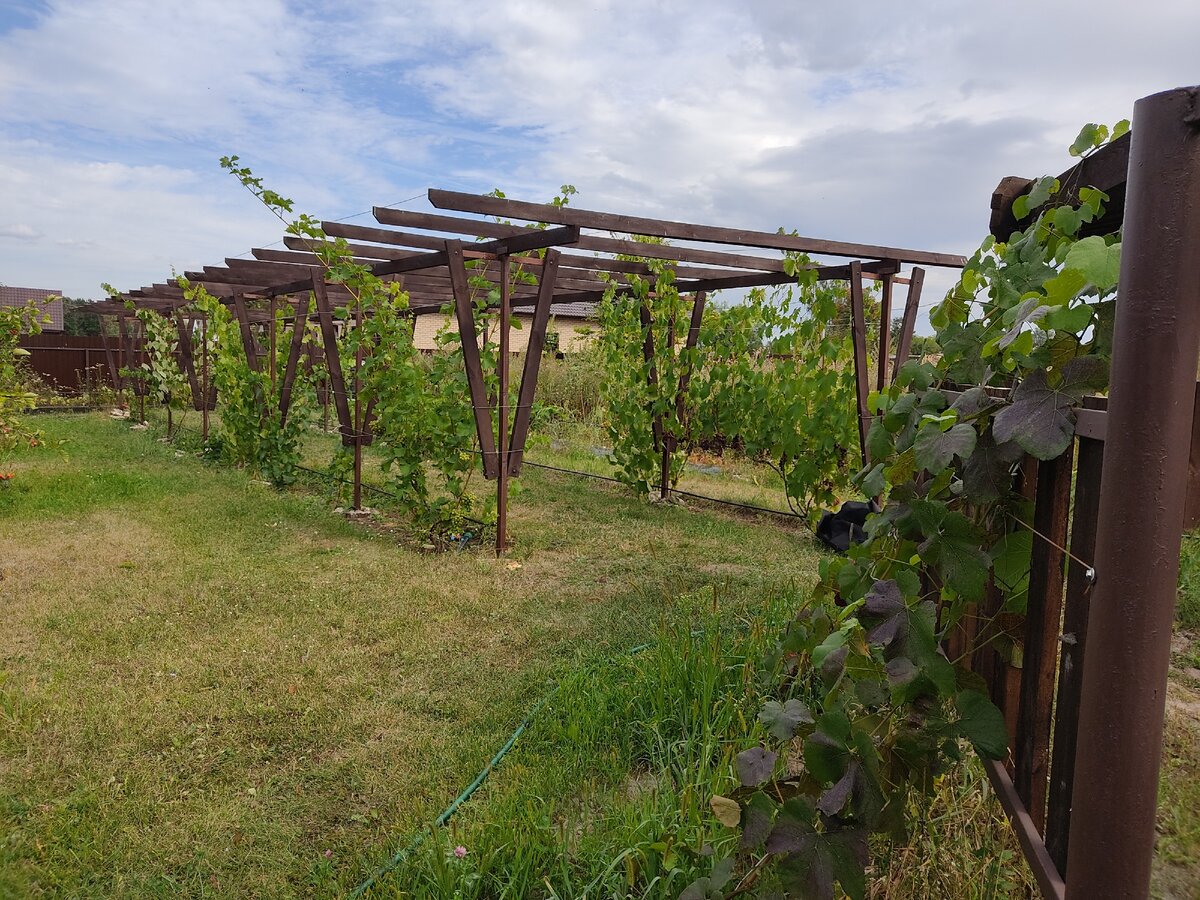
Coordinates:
(1099, 262)
(758, 814)
(935, 449)
(981, 723)
(987, 474)
(782, 719)
(955, 551)
(1072, 319)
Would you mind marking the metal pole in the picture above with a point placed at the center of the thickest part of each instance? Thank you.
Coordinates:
(1157, 334)
(502, 479)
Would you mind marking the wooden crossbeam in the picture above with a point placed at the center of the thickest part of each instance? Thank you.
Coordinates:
(664, 228)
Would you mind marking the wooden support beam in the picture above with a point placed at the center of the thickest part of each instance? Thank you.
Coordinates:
(909, 323)
(185, 355)
(114, 370)
(651, 368)
(525, 241)
(333, 360)
(685, 378)
(464, 310)
(885, 332)
(502, 409)
(584, 218)
(533, 361)
(1052, 513)
(299, 325)
(248, 342)
(859, 334)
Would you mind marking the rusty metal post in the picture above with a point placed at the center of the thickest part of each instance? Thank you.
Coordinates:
(1152, 390)
(502, 403)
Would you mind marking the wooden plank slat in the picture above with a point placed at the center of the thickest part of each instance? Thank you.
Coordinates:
(1084, 517)
(463, 308)
(585, 218)
(533, 362)
(1051, 519)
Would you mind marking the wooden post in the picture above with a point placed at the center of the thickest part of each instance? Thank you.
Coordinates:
(859, 333)
(502, 479)
(1051, 517)
(1074, 642)
(358, 420)
(204, 363)
(885, 331)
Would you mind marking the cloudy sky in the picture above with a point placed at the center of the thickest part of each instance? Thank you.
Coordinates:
(880, 122)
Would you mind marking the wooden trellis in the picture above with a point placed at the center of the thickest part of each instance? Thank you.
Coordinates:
(574, 254)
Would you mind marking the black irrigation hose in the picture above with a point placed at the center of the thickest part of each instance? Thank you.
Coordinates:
(733, 503)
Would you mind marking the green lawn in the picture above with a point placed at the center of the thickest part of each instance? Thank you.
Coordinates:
(208, 684)
(212, 688)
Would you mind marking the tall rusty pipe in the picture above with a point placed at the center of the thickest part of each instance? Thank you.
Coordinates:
(1153, 383)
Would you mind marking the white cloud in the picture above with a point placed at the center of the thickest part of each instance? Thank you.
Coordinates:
(19, 231)
(870, 121)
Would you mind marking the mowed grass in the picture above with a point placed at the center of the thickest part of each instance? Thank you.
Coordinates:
(213, 688)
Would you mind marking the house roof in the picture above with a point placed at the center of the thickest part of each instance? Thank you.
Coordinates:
(20, 296)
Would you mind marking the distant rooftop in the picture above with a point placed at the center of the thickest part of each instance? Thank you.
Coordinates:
(19, 296)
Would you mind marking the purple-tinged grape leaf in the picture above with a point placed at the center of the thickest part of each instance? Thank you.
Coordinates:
(754, 766)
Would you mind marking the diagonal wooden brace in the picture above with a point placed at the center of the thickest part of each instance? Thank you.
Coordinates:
(533, 361)
(693, 337)
(904, 341)
(185, 355)
(243, 317)
(333, 361)
(114, 368)
(465, 312)
(299, 325)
